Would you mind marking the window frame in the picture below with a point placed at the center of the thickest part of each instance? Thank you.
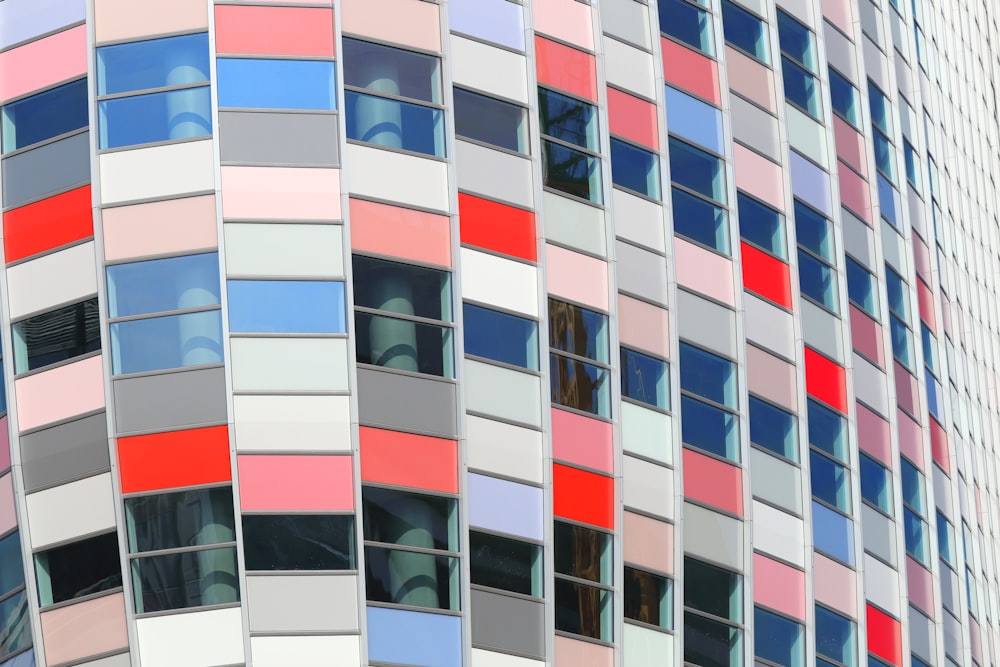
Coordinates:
(739, 624)
(590, 153)
(653, 175)
(730, 411)
(705, 11)
(606, 587)
(605, 367)
(747, 13)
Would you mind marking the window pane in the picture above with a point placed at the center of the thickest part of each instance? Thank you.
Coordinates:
(491, 121)
(687, 23)
(884, 155)
(898, 293)
(183, 580)
(145, 119)
(796, 41)
(708, 375)
(56, 336)
(568, 119)
(571, 171)
(773, 429)
(697, 170)
(744, 30)
(648, 598)
(644, 379)
(15, 619)
(402, 288)
(78, 569)
(405, 345)
(861, 288)
(827, 431)
(844, 98)
(830, 482)
(181, 519)
(579, 385)
(501, 337)
(912, 159)
(813, 231)
(409, 519)
(915, 532)
(45, 115)
(930, 348)
(902, 343)
(879, 106)
(700, 220)
(583, 610)
(835, 636)
(712, 590)
(286, 306)
(801, 87)
(709, 643)
(383, 69)
(255, 83)
(913, 487)
(160, 285)
(583, 553)
(635, 169)
(174, 341)
(385, 122)
(946, 539)
(510, 565)
(153, 63)
(761, 225)
(11, 571)
(710, 428)
(888, 199)
(818, 281)
(578, 331)
(298, 542)
(876, 484)
(411, 578)
(777, 639)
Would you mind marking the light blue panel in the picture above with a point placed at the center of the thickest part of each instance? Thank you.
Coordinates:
(497, 21)
(507, 507)
(21, 20)
(833, 533)
(276, 84)
(811, 184)
(694, 120)
(174, 341)
(286, 306)
(414, 638)
(888, 200)
(145, 119)
(26, 659)
(160, 285)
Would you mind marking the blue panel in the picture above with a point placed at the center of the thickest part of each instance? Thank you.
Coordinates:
(694, 120)
(635, 169)
(697, 170)
(286, 306)
(144, 119)
(500, 336)
(810, 183)
(888, 200)
(414, 638)
(497, 21)
(153, 63)
(26, 659)
(45, 115)
(276, 84)
(833, 533)
(160, 285)
(174, 341)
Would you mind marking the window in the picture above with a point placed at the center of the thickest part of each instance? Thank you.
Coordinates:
(645, 379)
(697, 170)
(798, 64)
(165, 313)
(880, 109)
(898, 293)
(45, 115)
(687, 23)
(773, 429)
(830, 481)
(827, 431)
(568, 119)
(411, 548)
(930, 349)
(393, 97)
(61, 334)
(818, 281)
(862, 288)
(761, 225)
(648, 598)
(11, 572)
(814, 232)
(567, 125)
(699, 220)
(298, 542)
(946, 540)
(817, 274)
(635, 169)
(708, 397)
(182, 548)
(844, 98)
(583, 580)
(902, 343)
(14, 613)
(885, 159)
(835, 638)
(402, 315)
(912, 159)
(78, 569)
(504, 563)
(286, 306)
(915, 534)
(699, 185)
(140, 98)
(913, 486)
(259, 83)
(491, 121)
(744, 30)
(777, 639)
(501, 337)
(578, 335)
(796, 41)
(876, 484)
(713, 610)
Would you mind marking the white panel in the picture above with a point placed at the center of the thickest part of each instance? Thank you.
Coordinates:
(626, 19)
(636, 219)
(71, 510)
(199, 639)
(64, 276)
(482, 658)
(647, 648)
(339, 651)
(317, 423)
(806, 135)
(501, 282)
(629, 68)
(894, 249)
(778, 534)
(495, 174)
(489, 69)
(503, 393)
(821, 329)
(769, 326)
(504, 449)
(289, 364)
(305, 250)
(715, 536)
(159, 171)
(575, 224)
(801, 9)
(882, 585)
(407, 179)
(647, 433)
(869, 385)
(648, 487)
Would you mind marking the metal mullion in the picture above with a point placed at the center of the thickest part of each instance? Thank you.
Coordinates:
(390, 96)
(585, 582)
(180, 550)
(402, 316)
(567, 144)
(576, 357)
(151, 91)
(165, 313)
(390, 546)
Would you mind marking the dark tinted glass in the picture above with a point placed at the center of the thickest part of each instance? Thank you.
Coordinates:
(161, 285)
(188, 579)
(580, 385)
(902, 343)
(79, 569)
(945, 539)
(773, 429)
(635, 169)
(861, 287)
(827, 430)
(885, 155)
(712, 590)
(583, 553)
(401, 288)
(409, 519)
(578, 331)
(395, 124)
(913, 486)
(830, 482)
(500, 562)
(571, 171)
(45, 115)
(700, 220)
(583, 610)
(708, 375)
(887, 199)
(152, 63)
(796, 41)
(777, 639)
(644, 378)
(744, 30)
(801, 87)
(834, 636)
(709, 643)
(844, 97)
(880, 108)
(404, 344)
(298, 542)
(501, 337)
(647, 598)
(145, 119)
(930, 348)
(11, 571)
(818, 281)
(687, 23)
(898, 293)
(710, 428)
(490, 120)
(568, 119)
(407, 577)
(761, 225)
(56, 336)
(697, 170)
(876, 484)
(182, 519)
(15, 619)
(383, 69)
(813, 231)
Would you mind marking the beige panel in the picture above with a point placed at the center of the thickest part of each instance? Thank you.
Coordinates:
(504, 449)
(489, 69)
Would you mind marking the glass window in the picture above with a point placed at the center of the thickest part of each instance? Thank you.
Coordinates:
(185, 579)
(827, 431)
(713, 590)
(65, 333)
(879, 105)
(946, 540)
(583, 610)
(913, 487)
(930, 348)
(172, 341)
(818, 281)
(835, 637)
(81, 568)
(902, 343)
(491, 121)
(801, 87)
(888, 199)
(286, 306)
(500, 562)
(912, 159)
(813, 231)
(578, 331)
(777, 639)
(404, 289)
(773, 429)
(298, 542)
(180, 519)
(710, 643)
(710, 428)
(708, 375)
(390, 71)
(687, 23)
(915, 534)
(162, 285)
(645, 379)
(830, 481)
(153, 63)
(256, 83)
(145, 119)
(46, 115)
(885, 159)
(571, 171)
(395, 124)
(862, 288)
(410, 519)
(761, 225)
(744, 30)
(844, 98)
(583, 553)
(697, 170)
(796, 41)
(700, 221)
(412, 578)
(15, 619)
(11, 572)
(580, 385)
(898, 293)
(635, 169)
(648, 598)
(403, 344)
(568, 119)
(876, 484)
(500, 336)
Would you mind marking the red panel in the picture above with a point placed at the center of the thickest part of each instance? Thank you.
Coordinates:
(926, 300)
(713, 482)
(47, 224)
(766, 276)
(419, 461)
(174, 459)
(497, 227)
(825, 380)
(883, 636)
(280, 31)
(632, 118)
(939, 446)
(691, 71)
(583, 496)
(566, 68)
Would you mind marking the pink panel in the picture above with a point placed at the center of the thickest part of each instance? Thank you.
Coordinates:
(128, 19)
(400, 232)
(690, 70)
(873, 435)
(759, 176)
(771, 378)
(921, 258)
(577, 277)
(574, 653)
(566, 20)
(750, 79)
(866, 336)
(644, 326)
(704, 271)
(296, 483)
(976, 640)
(835, 585)
(779, 586)
(85, 629)
(282, 31)
(946, 317)
(8, 515)
(60, 393)
(919, 583)
(281, 192)
(855, 193)
(648, 543)
(850, 145)
(39, 64)
(910, 439)
(838, 12)
(631, 117)
(404, 22)
(4, 444)
(906, 389)
(176, 225)
(566, 68)
(581, 440)
(713, 482)
(926, 300)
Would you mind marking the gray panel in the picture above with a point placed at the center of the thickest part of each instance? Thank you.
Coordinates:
(869, 385)
(120, 660)
(301, 603)
(949, 590)
(821, 330)
(52, 167)
(859, 242)
(775, 481)
(756, 128)
(505, 623)
(707, 324)
(196, 397)
(952, 636)
(279, 138)
(66, 452)
(492, 173)
(769, 326)
(871, 21)
(942, 493)
(641, 272)
(627, 20)
(840, 52)
(407, 403)
(713, 536)
(879, 534)
(922, 636)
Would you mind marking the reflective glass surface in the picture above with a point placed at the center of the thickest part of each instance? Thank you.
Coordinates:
(153, 63)
(801, 87)
(491, 121)
(710, 428)
(391, 71)
(880, 108)
(713, 590)
(687, 23)
(174, 341)
(583, 610)
(902, 342)
(162, 285)
(187, 579)
(256, 83)
(778, 639)
(578, 331)
(394, 124)
(708, 375)
(744, 30)
(830, 481)
(81, 568)
(861, 288)
(11, 571)
(286, 306)
(635, 169)
(145, 119)
(913, 486)
(813, 231)
(946, 539)
(15, 619)
(699, 220)
(180, 519)
(499, 336)
(915, 534)
(298, 542)
(402, 288)
(827, 431)
(885, 159)
(819, 281)
(876, 484)
(796, 41)
(835, 637)
(648, 598)
(45, 115)
(392, 342)
(583, 553)
(579, 385)
(411, 578)
(571, 171)
(709, 643)
(844, 98)
(697, 170)
(761, 225)
(409, 519)
(773, 429)
(898, 293)
(56, 336)
(566, 118)
(645, 378)
(500, 562)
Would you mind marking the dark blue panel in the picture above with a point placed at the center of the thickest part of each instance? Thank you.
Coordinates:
(801, 87)
(276, 84)
(501, 337)
(708, 375)
(830, 481)
(844, 97)
(876, 484)
(827, 430)
(773, 429)
(160, 285)
(777, 639)
(11, 572)
(578, 331)
(644, 379)
(153, 63)
(45, 115)
(700, 221)
(710, 428)
(813, 231)
(835, 636)
(861, 287)
(568, 119)
(385, 69)
(818, 281)
(144, 119)
(687, 23)
(761, 225)
(697, 170)
(286, 306)
(796, 41)
(635, 169)
(744, 30)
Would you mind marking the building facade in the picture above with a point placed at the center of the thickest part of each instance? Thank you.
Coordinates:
(488, 333)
